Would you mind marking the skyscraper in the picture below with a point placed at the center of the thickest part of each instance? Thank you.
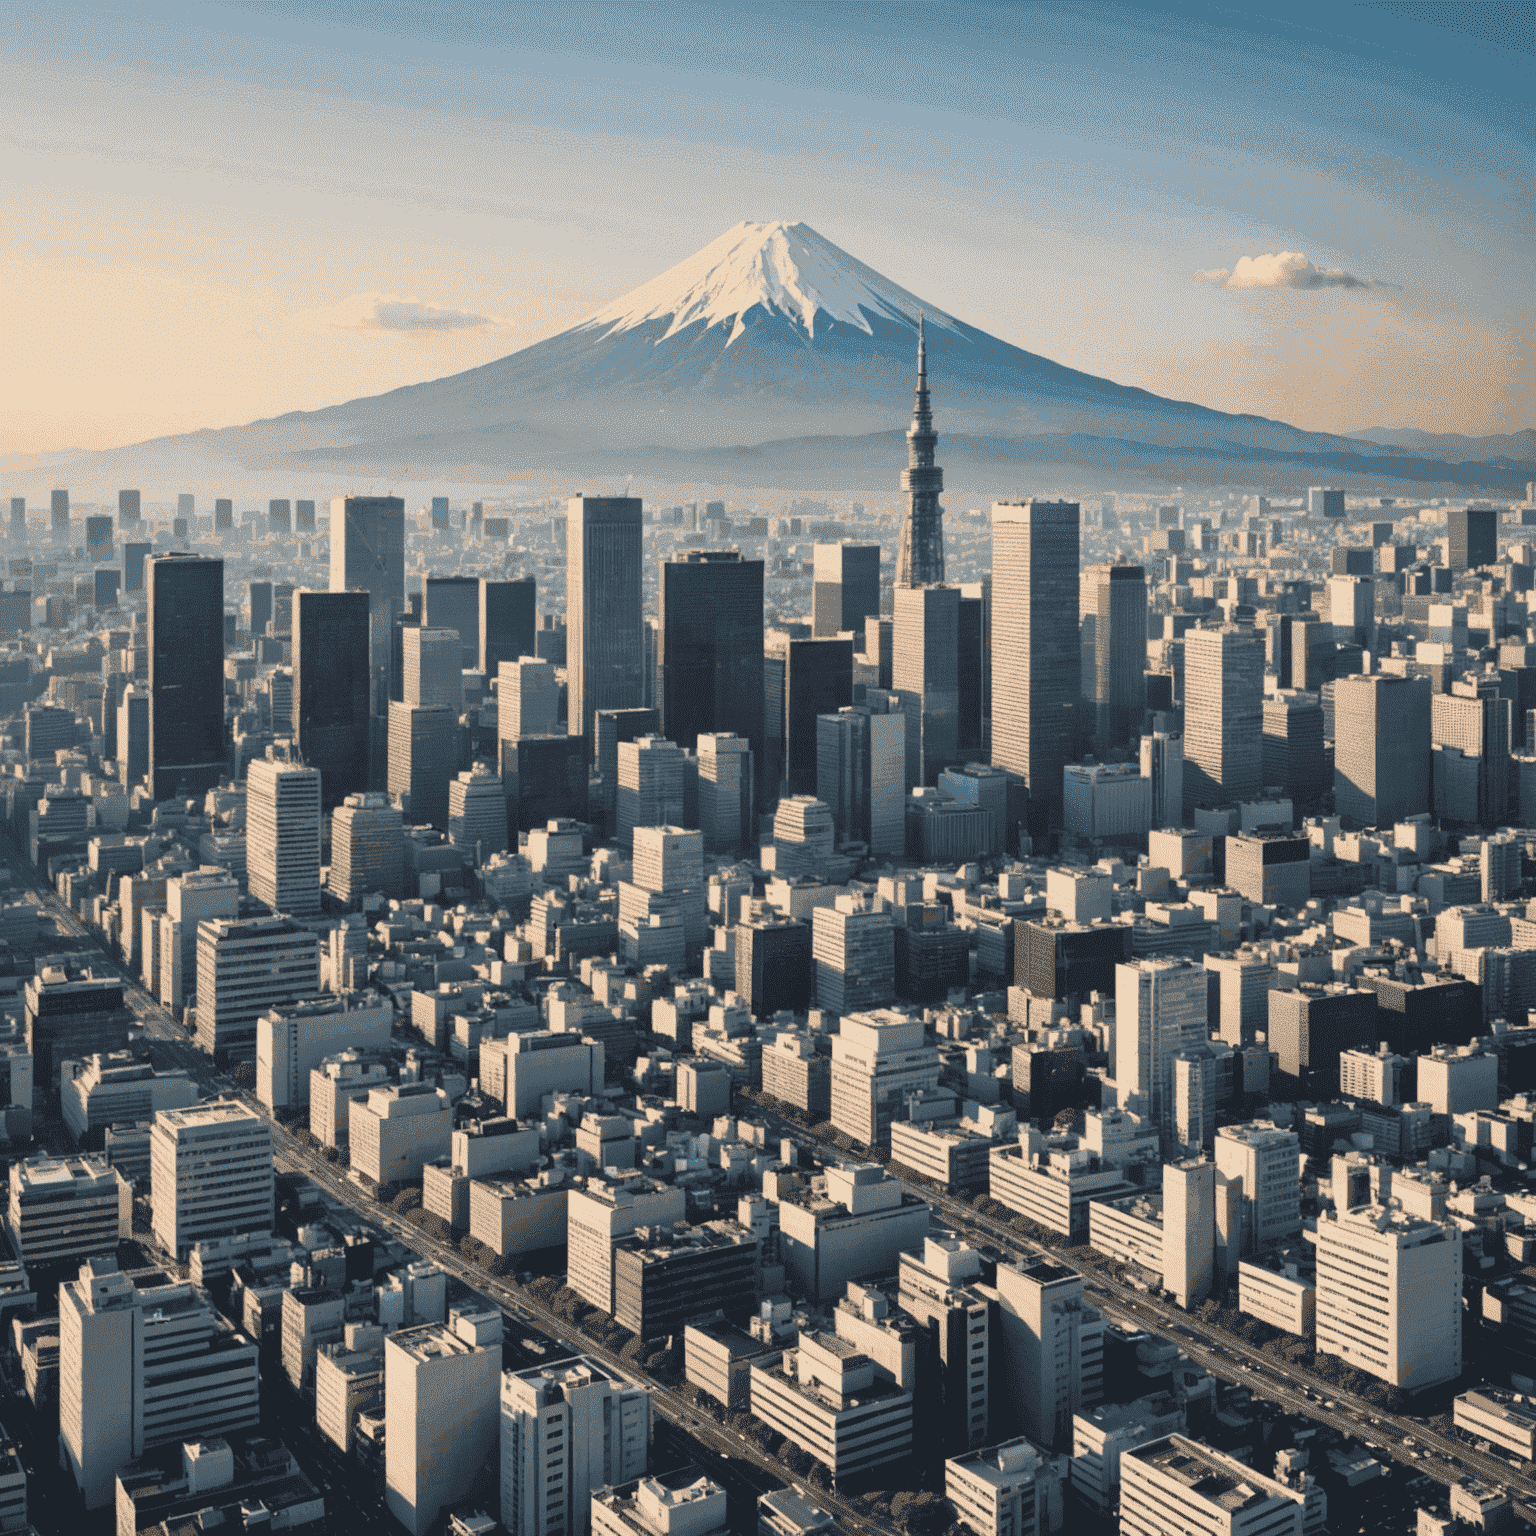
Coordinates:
(726, 794)
(423, 757)
(845, 587)
(282, 821)
(186, 674)
(1160, 1010)
(1120, 652)
(920, 558)
(330, 689)
(1472, 537)
(605, 640)
(802, 679)
(1381, 748)
(453, 602)
(925, 660)
(128, 513)
(368, 555)
(58, 511)
(434, 673)
(1036, 657)
(527, 699)
(509, 621)
(98, 540)
(1223, 715)
(709, 652)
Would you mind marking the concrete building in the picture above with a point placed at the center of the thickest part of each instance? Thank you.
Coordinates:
(520, 1071)
(367, 849)
(398, 1129)
(1160, 1010)
(853, 947)
(1389, 1295)
(527, 699)
(602, 1213)
(211, 1173)
(1103, 1434)
(423, 757)
(845, 587)
(925, 661)
(567, 1431)
(1107, 801)
(878, 1059)
(855, 1225)
(1507, 1419)
(434, 670)
(785, 1513)
(1223, 715)
(1053, 1348)
(65, 1209)
(115, 1088)
(1177, 1484)
(294, 1038)
(282, 835)
(349, 1380)
(1162, 764)
(681, 1503)
(143, 1364)
(1381, 749)
(1272, 871)
(191, 899)
(1265, 1162)
(940, 1288)
(1120, 652)
(727, 791)
(440, 1395)
(825, 1396)
(1012, 1489)
(514, 1215)
(245, 967)
(477, 813)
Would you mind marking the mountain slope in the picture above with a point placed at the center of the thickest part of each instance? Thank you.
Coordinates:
(768, 335)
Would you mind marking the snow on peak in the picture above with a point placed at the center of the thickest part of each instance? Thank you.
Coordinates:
(787, 268)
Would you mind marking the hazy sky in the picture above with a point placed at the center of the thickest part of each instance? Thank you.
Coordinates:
(217, 212)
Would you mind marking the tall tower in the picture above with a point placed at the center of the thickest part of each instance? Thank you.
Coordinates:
(605, 623)
(186, 674)
(920, 559)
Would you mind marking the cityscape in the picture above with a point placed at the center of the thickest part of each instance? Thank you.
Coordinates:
(761, 913)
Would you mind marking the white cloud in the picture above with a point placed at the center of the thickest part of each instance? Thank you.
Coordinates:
(392, 313)
(1282, 269)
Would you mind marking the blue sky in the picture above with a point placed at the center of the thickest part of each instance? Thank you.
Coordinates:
(207, 205)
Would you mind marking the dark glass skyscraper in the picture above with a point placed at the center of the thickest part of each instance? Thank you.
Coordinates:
(605, 627)
(845, 587)
(1473, 537)
(186, 674)
(261, 606)
(920, 558)
(368, 555)
(709, 648)
(801, 680)
(509, 622)
(330, 689)
(98, 540)
(1120, 652)
(453, 602)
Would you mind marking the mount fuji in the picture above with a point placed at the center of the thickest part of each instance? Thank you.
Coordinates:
(772, 356)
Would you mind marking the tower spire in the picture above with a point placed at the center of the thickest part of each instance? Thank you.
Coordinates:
(920, 556)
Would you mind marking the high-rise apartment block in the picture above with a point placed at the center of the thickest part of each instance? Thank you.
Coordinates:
(282, 836)
(1223, 716)
(1036, 657)
(604, 625)
(210, 1173)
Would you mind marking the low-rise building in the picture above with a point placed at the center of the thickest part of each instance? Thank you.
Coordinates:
(396, 1130)
(824, 1396)
(855, 1224)
(512, 1216)
(117, 1088)
(1176, 1484)
(65, 1209)
(673, 1504)
(1279, 1289)
(1504, 1419)
(1012, 1489)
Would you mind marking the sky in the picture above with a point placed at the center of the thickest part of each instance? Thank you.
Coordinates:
(213, 213)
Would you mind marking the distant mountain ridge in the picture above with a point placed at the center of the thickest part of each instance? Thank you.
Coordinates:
(770, 336)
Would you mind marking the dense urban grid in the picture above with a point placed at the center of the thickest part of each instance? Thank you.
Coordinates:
(649, 1020)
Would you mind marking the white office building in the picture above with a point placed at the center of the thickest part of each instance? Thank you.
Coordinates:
(440, 1391)
(603, 1212)
(878, 1059)
(294, 1038)
(1266, 1162)
(1389, 1295)
(398, 1129)
(210, 1173)
(141, 1366)
(1012, 1489)
(282, 836)
(243, 969)
(1177, 1484)
(1053, 1348)
(567, 1430)
(1160, 1010)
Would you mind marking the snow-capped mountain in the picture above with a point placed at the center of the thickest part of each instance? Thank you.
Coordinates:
(772, 344)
